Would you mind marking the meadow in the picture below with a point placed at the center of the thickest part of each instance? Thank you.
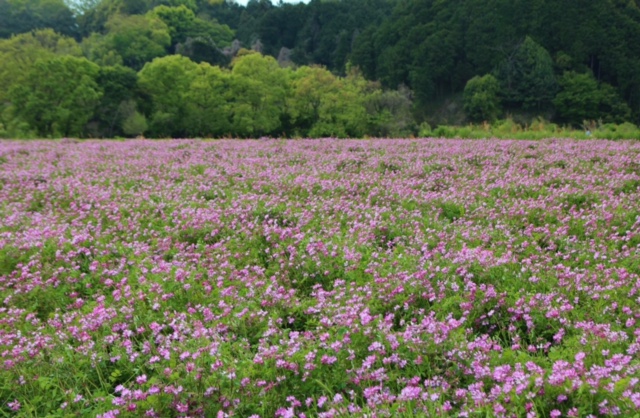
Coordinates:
(328, 278)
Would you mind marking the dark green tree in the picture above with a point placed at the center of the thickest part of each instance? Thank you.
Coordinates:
(581, 99)
(119, 87)
(526, 77)
(20, 16)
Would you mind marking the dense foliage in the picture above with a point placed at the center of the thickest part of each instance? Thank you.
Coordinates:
(569, 61)
(326, 278)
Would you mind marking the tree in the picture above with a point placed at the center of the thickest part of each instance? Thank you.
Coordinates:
(21, 16)
(18, 54)
(390, 113)
(208, 112)
(526, 77)
(58, 96)
(190, 4)
(135, 123)
(257, 94)
(203, 49)
(582, 98)
(309, 87)
(180, 21)
(119, 87)
(21, 51)
(184, 26)
(322, 104)
(481, 98)
(166, 80)
(137, 39)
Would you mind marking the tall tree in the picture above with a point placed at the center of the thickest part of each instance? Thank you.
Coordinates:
(20, 52)
(527, 78)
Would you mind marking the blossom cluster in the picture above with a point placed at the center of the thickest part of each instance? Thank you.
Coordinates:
(325, 278)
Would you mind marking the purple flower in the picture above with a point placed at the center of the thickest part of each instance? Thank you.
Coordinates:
(15, 405)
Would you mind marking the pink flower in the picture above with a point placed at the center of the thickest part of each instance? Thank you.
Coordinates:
(410, 393)
(15, 405)
(328, 359)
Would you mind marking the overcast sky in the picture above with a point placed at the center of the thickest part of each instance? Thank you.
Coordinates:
(244, 2)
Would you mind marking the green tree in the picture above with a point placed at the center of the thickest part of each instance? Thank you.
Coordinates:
(322, 104)
(582, 98)
(481, 98)
(137, 39)
(309, 88)
(190, 4)
(526, 77)
(258, 89)
(390, 113)
(21, 16)
(119, 87)
(18, 54)
(135, 123)
(184, 26)
(208, 110)
(97, 48)
(180, 21)
(165, 81)
(58, 96)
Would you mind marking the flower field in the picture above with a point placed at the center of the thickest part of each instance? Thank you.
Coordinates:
(320, 278)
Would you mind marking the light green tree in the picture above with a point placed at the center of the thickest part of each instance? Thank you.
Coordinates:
(258, 89)
(166, 81)
(58, 95)
(19, 53)
(322, 104)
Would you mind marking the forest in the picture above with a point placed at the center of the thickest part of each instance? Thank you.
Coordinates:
(350, 68)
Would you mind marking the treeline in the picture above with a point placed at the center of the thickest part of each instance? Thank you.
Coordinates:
(55, 91)
(105, 68)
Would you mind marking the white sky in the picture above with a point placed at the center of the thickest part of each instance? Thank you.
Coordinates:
(244, 2)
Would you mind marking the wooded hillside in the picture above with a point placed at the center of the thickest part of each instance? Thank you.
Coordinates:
(181, 67)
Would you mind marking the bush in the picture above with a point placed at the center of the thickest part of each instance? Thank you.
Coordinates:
(481, 101)
(135, 124)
